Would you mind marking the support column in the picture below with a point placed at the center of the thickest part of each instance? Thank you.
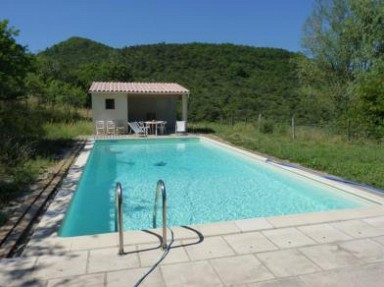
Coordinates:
(184, 114)
(126, 122)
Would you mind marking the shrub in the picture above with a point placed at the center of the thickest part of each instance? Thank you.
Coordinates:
(267, 127)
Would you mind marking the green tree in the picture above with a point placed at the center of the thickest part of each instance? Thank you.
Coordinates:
(62, 93)
(327, 42)
(344, 40)
(367, 31)
(368, 64)
(36, 87)
(115, 71)
(15, 63)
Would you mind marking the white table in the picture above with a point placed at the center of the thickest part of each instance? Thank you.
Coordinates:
(154, 124)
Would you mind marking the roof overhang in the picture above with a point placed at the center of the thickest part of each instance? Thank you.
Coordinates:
(135, 88)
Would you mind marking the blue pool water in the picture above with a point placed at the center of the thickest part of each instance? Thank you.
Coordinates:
(205, 183)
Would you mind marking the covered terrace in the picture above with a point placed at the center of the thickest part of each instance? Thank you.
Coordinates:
(123, 102)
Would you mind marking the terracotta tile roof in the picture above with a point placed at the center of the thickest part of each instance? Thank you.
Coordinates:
(138, 88)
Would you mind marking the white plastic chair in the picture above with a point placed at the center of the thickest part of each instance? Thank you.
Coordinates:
(162, 127)
(143, 127)
(111, 127)
(100, 127)
(180, 127)
(137, 129)
(120, 129)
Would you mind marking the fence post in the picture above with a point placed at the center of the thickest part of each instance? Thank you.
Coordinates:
(349, 130)
(259, 122)
(293, 127)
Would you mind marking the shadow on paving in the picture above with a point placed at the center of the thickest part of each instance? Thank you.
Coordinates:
(199, 239)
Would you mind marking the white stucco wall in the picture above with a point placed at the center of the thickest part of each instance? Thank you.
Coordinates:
(119, 114)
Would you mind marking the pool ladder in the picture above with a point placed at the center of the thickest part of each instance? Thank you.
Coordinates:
(119, 216)
(160, 187)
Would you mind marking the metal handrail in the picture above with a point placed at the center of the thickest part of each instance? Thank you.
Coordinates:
(119, 216)
(161, 187)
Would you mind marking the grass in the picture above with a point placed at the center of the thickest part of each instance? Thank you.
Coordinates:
(55, 131)
(58, 137)
(45, 152)
(361, 161)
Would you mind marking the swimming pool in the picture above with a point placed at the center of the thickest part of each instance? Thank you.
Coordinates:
(205, 182)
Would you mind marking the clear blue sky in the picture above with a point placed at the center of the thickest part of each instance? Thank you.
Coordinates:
(118, 23)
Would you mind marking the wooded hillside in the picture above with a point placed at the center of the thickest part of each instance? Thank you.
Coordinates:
(225, 80)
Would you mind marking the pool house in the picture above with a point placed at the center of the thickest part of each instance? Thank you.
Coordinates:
(123, 102)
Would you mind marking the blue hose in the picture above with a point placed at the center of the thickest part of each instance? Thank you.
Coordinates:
(166, 251)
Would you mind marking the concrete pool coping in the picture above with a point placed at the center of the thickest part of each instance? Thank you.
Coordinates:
(45, 245)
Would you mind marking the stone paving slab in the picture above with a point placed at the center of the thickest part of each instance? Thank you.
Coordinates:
(72, 264)
(240, 269)
(379, 239)
(101, 260)
(126, 278)
(365, 249)
(47, 247)
(372, 211)
(322, 217)
(358, 228)
(149, 254)
(377, 222)
(92, 280)
(18, 272)
(253, 224)
(245, 243)
(287, 263)
(330, 256)
(324, 233)
(288, 237)
(345, 214)
(211, 247)
(182, 232)
(287, 221)
(198, 273)
(360, 276)
(108, 240)
(219, 228)
(291, 282)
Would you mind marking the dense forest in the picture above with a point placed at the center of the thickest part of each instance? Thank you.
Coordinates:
(225, 80)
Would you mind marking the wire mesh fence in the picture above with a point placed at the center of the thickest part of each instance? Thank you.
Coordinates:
(295, 128)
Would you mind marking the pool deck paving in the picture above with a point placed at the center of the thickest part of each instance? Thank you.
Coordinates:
(333, 248)
(252, 252)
